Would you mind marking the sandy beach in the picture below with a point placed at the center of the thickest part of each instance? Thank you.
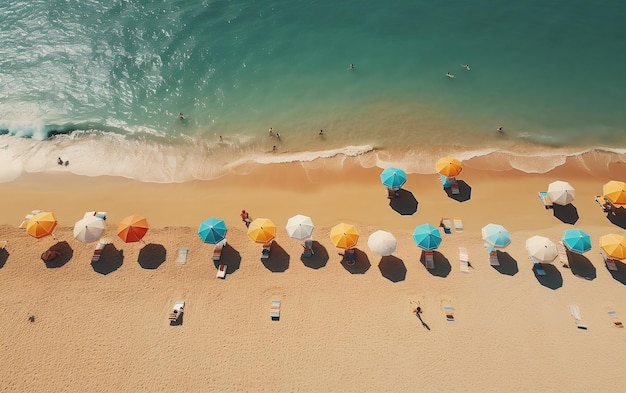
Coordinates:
(104, 328)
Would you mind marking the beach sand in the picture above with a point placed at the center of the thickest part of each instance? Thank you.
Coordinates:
(104, 328)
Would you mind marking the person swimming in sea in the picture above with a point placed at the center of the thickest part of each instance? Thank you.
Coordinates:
(466, 66)
(181, 116)
(351, 66)
(449, 75)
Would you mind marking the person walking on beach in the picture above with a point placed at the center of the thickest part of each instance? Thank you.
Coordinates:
(245, 217)
(321, 133)
(500, 130)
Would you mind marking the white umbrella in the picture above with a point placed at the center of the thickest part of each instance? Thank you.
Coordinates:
(299, 227)
(561, 192)
(382, 243)
(89, 229)
(541, 249)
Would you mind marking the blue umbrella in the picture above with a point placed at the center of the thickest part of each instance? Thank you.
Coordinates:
(427, 237)
(212, 230)
(496, 235)
(576, 241)
(393, 177)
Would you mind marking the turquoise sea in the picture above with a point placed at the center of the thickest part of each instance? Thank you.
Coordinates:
(100, 83)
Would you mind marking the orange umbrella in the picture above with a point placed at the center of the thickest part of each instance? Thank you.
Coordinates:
(262, 230)
(344, 236)
(615, 191)
(614, 246)
(449, 167)
(132, 228)
(41, 225)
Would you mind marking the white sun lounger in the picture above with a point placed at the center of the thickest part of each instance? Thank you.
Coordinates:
(28, 217)
(217, 251)
(275, 310)
(458, 224)
(562, 254)
(182, 256)
(177, 310)
(578, 320)
(102, 215)
(447, 225)
(221, 271)
(464, 260)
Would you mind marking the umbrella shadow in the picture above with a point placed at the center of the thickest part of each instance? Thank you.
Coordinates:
(553, 278)
(620, 273)
(392, 268)
(151, 256)
(319, 258)
(617, 217)
(580, 265)
(110, 260)
(4, 256)
(508, 264)
(230, 257)
(465, 192)
(65, 254)
(278, 261)
(404, 203)
(567, 214)
(361, 263)
(442, 264)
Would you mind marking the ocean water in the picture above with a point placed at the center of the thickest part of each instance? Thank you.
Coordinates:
(100, 83)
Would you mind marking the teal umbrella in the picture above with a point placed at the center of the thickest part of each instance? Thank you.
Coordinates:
(427, 237)
(393, 177)
(212, 230)
(576, 241)
(496, 235)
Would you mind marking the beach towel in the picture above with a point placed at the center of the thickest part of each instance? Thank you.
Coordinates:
(458, 224)
(182, 256)
(464, 260)
(578, 320)
(617, 322)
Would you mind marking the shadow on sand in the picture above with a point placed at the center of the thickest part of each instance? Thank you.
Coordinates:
(567, 214)
(581, 266)
(319, 258)
(620, 273)
(179, 321)
(361, 264)
(278, 260)
(618, 217)
(230, 257)
(110, 260)
(553, 278)
(392, 268)
(465, 192)
(4, 256)
(151, 256)
(405, 203)
(65, 254)
(442, 264)
(508, 264)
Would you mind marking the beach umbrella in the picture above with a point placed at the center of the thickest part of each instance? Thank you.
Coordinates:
(212, 230)
(615, 191)
(576, 241)
(262, 230)
(382, 243)
(541, 249)
(393, 177)
(89, 229)
(449, 167)
(41, 225)
(496, 235)
(614, 246)
(299, 227)
(427, 237)
(344, 236)
(132, 228)
(561, 192)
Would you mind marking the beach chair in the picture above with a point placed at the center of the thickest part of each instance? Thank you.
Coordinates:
(446, 224)
(610, 262)
(562, 254)
(101, 215)
(458, 224)
(221, 271)
(308, 248)
(349, 256)
(448, 311)
(28, 217)
(578, 320)
(392, 193)
(606, 207)
(464, 260)
(429, 259)
(617, 322)
(539, 269)
(3, 244)
(182, 256)
(177, 311)
(265, 251)
(545, 200)
(97, 252)
(454, 186)
(217, 251)
(493, 255)
(275, 310)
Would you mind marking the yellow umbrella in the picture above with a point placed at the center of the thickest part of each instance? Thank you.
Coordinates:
(344, 236)
(615, 191)
(614, 246)
(449, 167)
(262, 230)
(41, 225)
